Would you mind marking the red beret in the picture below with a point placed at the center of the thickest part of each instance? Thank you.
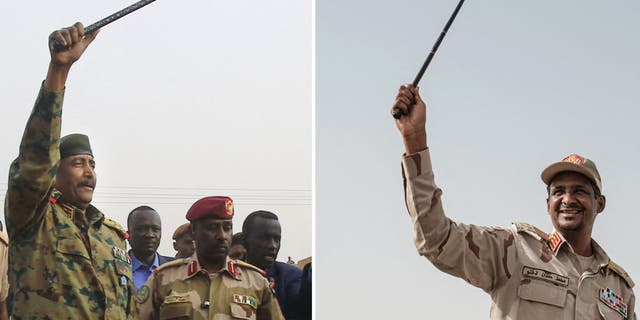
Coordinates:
(214, 207)
(183, 229)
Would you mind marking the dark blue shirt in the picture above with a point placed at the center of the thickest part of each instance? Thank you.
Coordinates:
(285, 279)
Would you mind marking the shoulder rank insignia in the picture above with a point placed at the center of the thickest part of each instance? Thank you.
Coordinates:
(623, 274)
(244, 299)
(614, 301)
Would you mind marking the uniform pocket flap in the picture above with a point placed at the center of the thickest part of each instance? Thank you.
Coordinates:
(539, 292)
(176, 307)
(242, 311)
(72, 246)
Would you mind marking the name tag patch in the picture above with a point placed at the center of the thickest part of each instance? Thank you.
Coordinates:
(614, 301)
(248, 300)
(544, 275)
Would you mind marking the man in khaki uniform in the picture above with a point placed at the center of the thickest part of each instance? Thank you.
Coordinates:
(66, 260)
(208, 285)
(528, 273)
(4, 283)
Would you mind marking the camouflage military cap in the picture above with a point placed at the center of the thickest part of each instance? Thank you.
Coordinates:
(211, 207)
(73, 144)
(573, 163)
(181, 230)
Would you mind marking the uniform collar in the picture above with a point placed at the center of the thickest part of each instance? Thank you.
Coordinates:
(557, 241)
(230, 268)
(94, 215)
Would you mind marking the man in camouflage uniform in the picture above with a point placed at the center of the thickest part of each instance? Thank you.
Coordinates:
(208, 285)
(67, 261)
(528, 273)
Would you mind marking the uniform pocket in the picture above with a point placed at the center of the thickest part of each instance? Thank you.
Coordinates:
(242, 311)
(607, 313)
(176, 307)
(539, 292)
(72, 246)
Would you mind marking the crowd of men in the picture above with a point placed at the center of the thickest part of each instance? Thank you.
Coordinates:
(67, 260)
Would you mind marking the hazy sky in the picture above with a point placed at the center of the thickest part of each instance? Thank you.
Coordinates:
(181, 100)
(514, 87)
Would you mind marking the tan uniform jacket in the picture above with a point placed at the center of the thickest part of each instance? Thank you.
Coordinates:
(528, 273)
(4, 263)
(60, 267)
(181, 289)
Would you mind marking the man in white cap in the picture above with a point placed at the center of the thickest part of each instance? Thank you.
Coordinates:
(528, 273)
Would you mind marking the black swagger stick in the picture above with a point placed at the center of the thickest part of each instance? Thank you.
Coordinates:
(91, 28)
(397, 113)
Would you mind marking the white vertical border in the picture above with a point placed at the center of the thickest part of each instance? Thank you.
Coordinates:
(314, 270)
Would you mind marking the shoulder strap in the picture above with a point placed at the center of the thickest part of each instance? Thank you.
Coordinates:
(619, 271)
(172, 263)
(250, 266)
(531, 230)
(117, 227)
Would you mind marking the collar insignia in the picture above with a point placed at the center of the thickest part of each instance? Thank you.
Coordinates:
(555, 241)
(192, 268)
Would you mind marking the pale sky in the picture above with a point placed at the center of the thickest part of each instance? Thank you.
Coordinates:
(181, 100)
(514, 87)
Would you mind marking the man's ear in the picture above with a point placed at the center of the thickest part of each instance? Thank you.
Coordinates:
(602, 201)
(174, 246)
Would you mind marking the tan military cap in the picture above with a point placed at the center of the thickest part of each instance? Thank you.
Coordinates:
(574, 163)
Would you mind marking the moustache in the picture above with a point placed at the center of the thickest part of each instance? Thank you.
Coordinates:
(87, 183)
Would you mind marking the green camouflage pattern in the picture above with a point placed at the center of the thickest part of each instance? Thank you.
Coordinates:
(181, 289)
(60, 267)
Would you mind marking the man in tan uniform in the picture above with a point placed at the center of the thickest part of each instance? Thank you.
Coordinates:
(66, 260)
(528, 273)
(208, 285)
(4, 283)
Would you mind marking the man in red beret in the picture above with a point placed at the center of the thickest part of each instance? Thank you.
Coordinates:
(208, 284)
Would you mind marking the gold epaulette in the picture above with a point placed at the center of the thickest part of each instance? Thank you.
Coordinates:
(531, 230)
(173, 263)
(250, 266)
(619, 271)
(115, 226)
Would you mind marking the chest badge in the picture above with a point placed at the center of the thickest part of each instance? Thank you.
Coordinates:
(243, 299)
(120, 254)
(614, 301)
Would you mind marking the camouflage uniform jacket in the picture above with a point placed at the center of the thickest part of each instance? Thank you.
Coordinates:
(60, 267)
(181, 289)
(528, 273)
(4, 284)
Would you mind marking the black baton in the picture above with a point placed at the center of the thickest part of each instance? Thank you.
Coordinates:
(91, 28)
(397, 113)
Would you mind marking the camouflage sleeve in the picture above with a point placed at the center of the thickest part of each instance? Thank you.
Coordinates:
(31, 175)
(147, 298)
(269, 309)
(479, 255)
